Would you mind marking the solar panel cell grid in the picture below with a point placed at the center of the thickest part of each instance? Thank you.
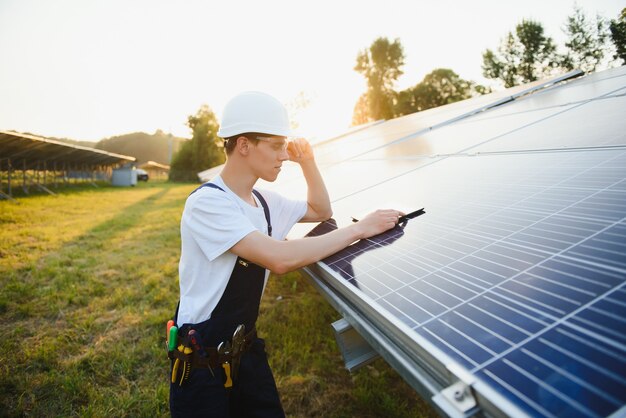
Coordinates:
(563, 372)
(596, 83)
(534, 251)
(457, 137)
(598, 122)
(379, 135)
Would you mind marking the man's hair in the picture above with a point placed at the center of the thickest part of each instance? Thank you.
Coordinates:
(231, 142)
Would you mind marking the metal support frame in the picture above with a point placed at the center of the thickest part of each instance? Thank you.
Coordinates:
(24, 177)
(418, 378)
(45, 189)
(43, 161)
(7, 195)
(44, 176)
(54, 174)
(9, 169)
(355, 350)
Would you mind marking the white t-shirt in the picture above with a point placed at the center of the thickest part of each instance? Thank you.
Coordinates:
(212, 222)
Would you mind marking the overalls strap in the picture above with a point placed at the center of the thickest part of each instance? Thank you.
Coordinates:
(266, 209)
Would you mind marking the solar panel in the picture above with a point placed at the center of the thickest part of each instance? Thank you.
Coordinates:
(602, 116)
(409, 126)
(332, 154)
(533, 253)
(513, 281)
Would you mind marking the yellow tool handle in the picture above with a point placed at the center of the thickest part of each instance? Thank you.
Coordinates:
(229, 381)
(186, 367)
(182, 375)
(185, 350)
(175, 370)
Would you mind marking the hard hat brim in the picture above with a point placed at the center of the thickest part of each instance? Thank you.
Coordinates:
(243, 128)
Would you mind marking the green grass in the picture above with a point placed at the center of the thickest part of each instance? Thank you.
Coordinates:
(88, 279)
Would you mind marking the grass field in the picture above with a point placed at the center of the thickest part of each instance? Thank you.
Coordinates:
(88, 280)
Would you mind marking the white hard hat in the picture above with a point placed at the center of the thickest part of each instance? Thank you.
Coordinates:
(253, 111)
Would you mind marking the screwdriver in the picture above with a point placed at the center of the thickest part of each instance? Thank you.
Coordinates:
(171, 344)
(403, 218)
(411, 215)
(196, 342)
(170, 324)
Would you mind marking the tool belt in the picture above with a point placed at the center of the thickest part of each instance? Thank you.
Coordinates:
(213, 359)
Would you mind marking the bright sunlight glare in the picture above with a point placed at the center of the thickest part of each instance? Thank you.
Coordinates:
(86, 69)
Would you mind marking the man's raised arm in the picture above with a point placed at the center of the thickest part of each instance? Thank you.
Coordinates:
(319, 209)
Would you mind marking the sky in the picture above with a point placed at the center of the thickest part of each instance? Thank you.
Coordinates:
(88, 70)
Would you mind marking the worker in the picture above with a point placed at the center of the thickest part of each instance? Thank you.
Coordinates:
(232, 236)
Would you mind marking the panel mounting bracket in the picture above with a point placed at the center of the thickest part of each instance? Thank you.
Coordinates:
(457, 400)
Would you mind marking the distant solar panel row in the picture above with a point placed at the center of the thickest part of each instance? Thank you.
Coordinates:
(29, 152)
(517, 270)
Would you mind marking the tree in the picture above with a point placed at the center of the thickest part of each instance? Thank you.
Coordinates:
(361, 111)
(522, 57)
(587, 41)
(145, 147)
(202, 151)
(505, 65)
(618, 34)
(440, 87)
(380, 65)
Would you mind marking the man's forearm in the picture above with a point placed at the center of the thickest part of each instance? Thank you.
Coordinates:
(317, 195)
(284, 256)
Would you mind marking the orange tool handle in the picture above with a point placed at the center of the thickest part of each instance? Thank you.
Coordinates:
(229, 381)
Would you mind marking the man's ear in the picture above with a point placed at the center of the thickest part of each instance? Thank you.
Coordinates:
(243, 145)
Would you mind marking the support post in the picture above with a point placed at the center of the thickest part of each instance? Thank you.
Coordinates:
(9, 175)
(24, 176)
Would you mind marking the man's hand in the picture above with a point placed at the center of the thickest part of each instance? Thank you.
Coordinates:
(378, 222)
(300, 150)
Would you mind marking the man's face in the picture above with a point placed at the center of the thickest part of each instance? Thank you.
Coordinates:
(268, 156)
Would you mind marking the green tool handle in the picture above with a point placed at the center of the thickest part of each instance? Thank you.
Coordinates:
(173, 338)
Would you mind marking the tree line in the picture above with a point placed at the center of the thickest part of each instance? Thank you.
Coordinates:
(158, 147)
(524, 55)
(200, 153)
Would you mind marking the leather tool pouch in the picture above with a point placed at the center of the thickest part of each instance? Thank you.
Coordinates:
(211, 358)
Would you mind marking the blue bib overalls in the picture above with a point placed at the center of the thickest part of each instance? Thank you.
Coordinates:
(254, 392)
